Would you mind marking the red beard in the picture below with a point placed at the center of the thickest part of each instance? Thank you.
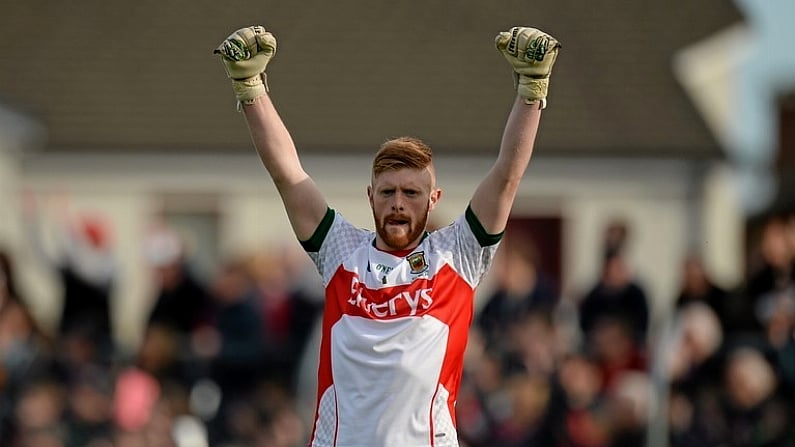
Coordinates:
(402, 240)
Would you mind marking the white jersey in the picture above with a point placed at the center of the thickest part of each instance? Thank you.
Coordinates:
(395, 326)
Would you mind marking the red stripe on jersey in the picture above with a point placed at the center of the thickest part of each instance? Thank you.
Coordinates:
(445, 296)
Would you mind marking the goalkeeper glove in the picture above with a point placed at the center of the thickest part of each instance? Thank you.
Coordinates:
(245, 54)
(532, 54)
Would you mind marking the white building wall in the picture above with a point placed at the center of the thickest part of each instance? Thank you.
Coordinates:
(653, 196)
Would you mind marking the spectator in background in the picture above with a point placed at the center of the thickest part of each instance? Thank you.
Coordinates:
(232, 345)
(25, 351)
(770, 294)
(182, 309)
(182, 303)
(88, 415)
(38, 415)
(528, 398)
(269, 419)
(615, 237)
(275, 308)
(772, 279)
(288, 310)
(576, 413)
(83, 259)
(520, 289)
(483, 407)
(773, 288)
(693, 356)
(693, 363)
(618, 298)
(614, 349)
(307, 296)
(776, 308)
(628, 404)
(780, 332)
(236, 329)
(698, 287)
(749, 411)
(535, 344)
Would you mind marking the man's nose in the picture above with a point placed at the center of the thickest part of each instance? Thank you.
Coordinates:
(397, 202)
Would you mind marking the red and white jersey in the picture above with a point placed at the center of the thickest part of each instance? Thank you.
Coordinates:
(395, 326)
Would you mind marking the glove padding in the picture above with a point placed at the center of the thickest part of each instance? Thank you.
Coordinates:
(532, 54)
(245, 55)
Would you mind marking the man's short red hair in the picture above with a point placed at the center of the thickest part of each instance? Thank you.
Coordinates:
(402, 153)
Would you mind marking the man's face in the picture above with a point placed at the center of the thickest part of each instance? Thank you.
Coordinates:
(401, 201)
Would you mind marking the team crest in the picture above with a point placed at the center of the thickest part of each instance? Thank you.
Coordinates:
(417, 262)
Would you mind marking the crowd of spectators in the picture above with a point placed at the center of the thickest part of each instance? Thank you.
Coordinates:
(216, 362)
(588, 371)
(219, 363)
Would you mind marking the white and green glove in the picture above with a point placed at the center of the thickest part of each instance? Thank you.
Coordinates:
(245, 55)
(532, 54)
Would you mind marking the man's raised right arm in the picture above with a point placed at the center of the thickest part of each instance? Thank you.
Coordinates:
(245, 55)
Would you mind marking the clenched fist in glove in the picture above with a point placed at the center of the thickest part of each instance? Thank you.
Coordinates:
(532, 54)
(245, 54)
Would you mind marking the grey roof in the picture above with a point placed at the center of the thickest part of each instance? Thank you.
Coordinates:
(139, 75)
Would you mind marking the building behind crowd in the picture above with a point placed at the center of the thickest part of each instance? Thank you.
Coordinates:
(674, 119)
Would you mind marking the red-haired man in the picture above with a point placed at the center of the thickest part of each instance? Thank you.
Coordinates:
(398, 299)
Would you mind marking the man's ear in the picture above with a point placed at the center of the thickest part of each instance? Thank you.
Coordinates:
(436, 196)
(370, 195)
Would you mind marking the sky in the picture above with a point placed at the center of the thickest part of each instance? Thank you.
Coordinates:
(767, 71)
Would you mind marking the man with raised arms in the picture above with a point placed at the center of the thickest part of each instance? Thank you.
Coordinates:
(399, 300)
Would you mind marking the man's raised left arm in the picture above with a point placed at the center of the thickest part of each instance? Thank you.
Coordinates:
(531, 53)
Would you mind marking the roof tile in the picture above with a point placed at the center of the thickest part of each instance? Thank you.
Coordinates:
(349, 74)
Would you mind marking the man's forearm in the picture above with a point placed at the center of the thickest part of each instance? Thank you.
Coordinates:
(518, 139)
(494, 197)
(273, 142)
